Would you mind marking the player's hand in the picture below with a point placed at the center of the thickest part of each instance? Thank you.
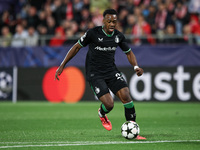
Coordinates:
(139, 71)
(58, 72)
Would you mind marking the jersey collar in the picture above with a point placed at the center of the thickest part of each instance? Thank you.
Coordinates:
(109, 35)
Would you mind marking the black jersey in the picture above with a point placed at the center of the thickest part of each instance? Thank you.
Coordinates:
(100, 61)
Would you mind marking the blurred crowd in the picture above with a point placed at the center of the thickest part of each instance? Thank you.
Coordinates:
(25, 22)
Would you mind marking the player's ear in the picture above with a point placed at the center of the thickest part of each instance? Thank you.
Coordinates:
(104, 21)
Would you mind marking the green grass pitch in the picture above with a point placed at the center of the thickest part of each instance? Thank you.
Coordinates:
(47, 126)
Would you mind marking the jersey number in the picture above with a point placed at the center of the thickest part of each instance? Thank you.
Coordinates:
(119, 76)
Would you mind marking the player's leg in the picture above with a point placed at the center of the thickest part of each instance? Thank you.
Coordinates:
(126, 99)
(130, 114)
(107, 104)
(119, 87)
(105, 108)
(102, 92)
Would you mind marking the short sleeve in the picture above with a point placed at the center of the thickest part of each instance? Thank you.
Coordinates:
(124, 45)
(85, 39)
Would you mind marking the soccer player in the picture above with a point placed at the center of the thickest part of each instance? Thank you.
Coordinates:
(101, 71)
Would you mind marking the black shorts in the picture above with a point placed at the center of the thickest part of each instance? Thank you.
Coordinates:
(114, 82)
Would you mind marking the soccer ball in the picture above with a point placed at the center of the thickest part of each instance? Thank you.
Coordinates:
(130, 129)
(5, 84)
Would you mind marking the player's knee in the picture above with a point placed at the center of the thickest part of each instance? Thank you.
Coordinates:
(124, 95)
(110, 106)
(125, 98)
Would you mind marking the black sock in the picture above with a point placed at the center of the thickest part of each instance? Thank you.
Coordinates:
(130, 111)
(103, 110)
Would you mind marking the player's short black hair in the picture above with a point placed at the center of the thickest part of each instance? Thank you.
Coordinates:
(109, 11)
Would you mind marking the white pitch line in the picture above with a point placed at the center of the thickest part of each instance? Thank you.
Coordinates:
(92, 143)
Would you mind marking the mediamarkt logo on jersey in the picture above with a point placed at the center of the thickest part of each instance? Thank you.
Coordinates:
(105, 48)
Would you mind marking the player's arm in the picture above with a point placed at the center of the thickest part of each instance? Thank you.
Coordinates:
(132, 59)
(72, 52)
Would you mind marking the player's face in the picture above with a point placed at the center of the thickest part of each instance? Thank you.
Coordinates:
(110, 22)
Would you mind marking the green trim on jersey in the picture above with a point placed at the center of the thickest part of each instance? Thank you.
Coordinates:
(109, 35)
(129, 105)
(127, 50)
(80, 43)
